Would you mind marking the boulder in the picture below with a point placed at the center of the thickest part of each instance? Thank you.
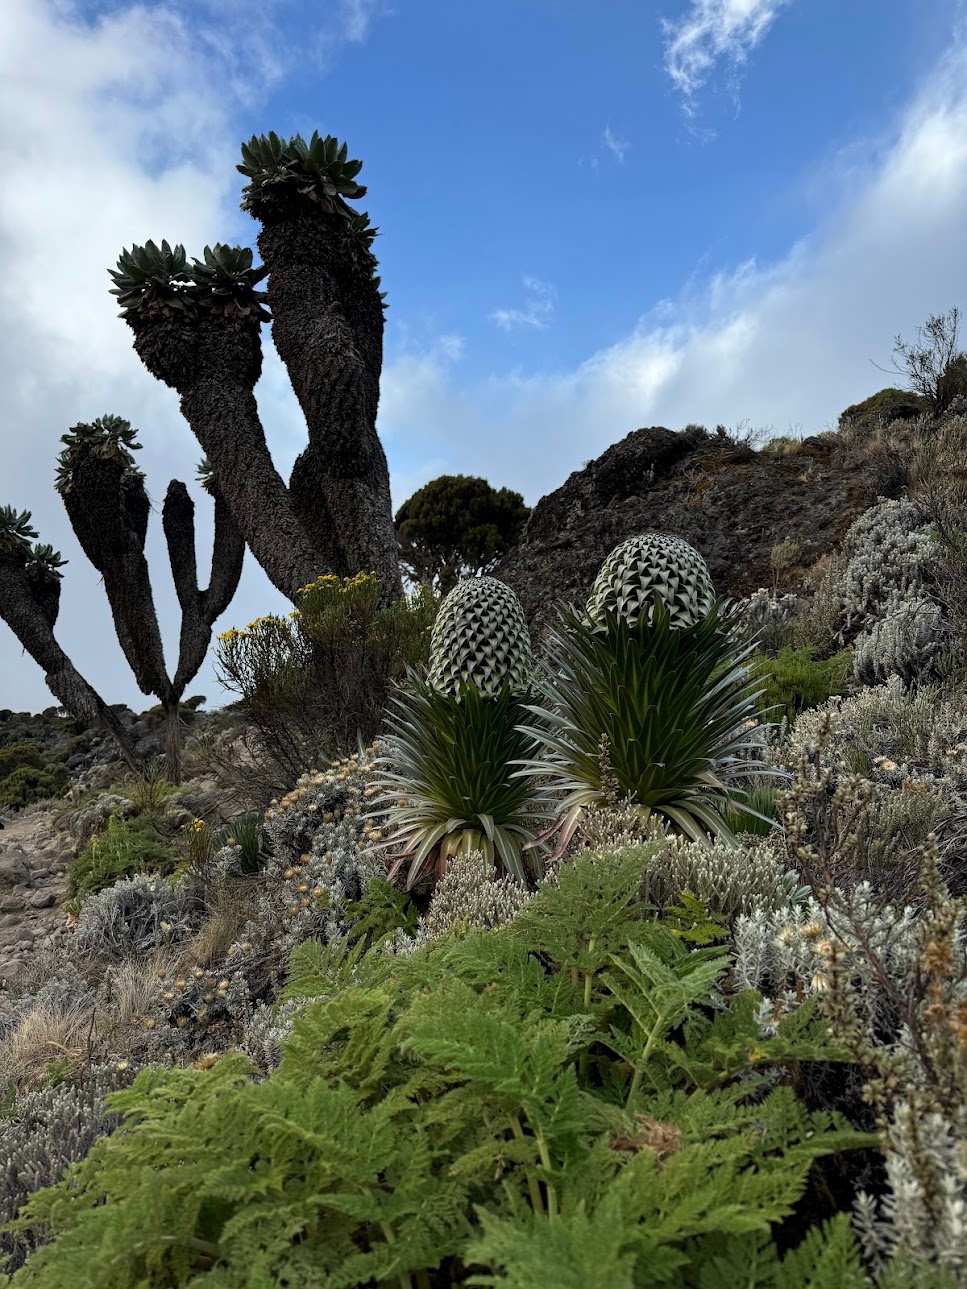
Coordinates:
(14, 866)
(731, 503)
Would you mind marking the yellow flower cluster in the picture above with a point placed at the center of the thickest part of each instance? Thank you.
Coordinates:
(330, 580)
(269, 617)
(233, 634)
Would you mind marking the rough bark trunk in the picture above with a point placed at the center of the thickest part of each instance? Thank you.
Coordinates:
(172, 740)
(199, 609)
(214, 365)
(30, 623)
(225, 422)
(109, 514)
(328, 328)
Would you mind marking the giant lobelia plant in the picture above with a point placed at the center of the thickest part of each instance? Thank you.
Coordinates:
(653, 666)
(446, 763)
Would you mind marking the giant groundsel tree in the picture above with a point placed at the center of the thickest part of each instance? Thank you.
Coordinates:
(198, 330)
(104, 494)
(30, 579)
(196, 327)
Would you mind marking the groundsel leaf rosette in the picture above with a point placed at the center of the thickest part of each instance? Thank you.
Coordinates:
(447, 774)
(677, 704)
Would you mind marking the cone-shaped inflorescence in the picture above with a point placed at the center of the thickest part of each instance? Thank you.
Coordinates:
(649, 567)
(30, 580)
(480, 637)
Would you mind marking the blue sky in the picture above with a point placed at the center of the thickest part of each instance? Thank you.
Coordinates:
(594, 214)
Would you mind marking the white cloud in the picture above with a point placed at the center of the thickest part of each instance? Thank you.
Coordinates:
(783, 345)
(615, 145)
(358, 16)
(120, 149)
(714, 31)
(536, 311)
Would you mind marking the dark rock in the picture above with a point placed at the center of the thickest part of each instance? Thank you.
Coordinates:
(733, 505)
(42, 899)
(14, 866)
(11, 904)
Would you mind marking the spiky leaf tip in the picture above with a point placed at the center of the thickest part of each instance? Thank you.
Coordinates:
(205, 476)
(150, 279)
(225, 281)
(319, 170)
(16, 534)
(45, 562)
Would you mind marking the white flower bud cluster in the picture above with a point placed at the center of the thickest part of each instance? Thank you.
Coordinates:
(924, 1151)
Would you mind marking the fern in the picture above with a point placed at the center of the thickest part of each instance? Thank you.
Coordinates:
(570, 1099)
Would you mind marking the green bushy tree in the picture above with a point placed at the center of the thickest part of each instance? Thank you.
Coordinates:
(457, 526)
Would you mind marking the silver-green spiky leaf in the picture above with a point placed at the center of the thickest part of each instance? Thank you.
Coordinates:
(480, 637)
(149, 278)
(16, 533)
(648, 567)
(225, 281)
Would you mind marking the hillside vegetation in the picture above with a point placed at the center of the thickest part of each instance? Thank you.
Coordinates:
(631, 955)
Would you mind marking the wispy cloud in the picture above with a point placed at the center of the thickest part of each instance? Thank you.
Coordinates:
(777, 344)
(153, 149)
(358, 16)
(536, 311)
(615, 145)
(714, 31)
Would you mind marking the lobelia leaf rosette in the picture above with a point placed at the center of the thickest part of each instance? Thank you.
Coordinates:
(447, 767)
(678, 705)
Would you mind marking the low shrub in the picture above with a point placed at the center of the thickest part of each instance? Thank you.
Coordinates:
(27, 785)
(316, 684)
(575, 1098)
(125, 850)
(255, 846)
(15, 755)
(134, 916)
(794, 680)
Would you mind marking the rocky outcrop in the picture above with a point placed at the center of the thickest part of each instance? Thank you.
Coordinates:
(731, 503)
